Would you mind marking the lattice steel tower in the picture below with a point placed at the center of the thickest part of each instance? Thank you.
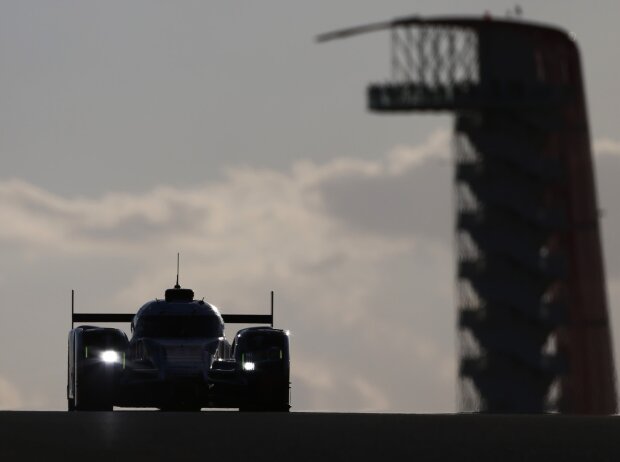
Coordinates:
(532, 310)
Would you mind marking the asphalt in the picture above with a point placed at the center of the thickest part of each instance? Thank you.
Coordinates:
(317, 437)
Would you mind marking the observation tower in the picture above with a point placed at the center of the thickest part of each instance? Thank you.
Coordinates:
(533, 321)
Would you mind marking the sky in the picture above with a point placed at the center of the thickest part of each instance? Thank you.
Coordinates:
(133, 130)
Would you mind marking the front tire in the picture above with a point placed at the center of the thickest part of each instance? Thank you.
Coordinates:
(266, 394)
(94, 391)
(267, 408)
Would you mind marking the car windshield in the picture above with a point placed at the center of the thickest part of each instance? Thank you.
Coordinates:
(179, 326)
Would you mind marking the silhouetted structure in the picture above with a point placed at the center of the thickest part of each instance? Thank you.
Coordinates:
(532, 309)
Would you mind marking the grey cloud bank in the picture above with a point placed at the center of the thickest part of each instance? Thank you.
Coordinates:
(125, 96)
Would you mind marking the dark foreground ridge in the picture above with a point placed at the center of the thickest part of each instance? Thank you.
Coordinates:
(152, 436)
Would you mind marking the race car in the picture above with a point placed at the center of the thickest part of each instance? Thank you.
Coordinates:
(178, 359)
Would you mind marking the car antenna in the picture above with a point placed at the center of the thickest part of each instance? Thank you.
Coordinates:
(272, 308)
(72, 306)
(177, 286)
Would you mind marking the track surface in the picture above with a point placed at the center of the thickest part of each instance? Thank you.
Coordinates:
(152, 436)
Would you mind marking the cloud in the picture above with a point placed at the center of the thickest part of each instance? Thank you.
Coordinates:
(366, 291)
(607, 173)
(317, 387)
(10, 396)
(606, 146)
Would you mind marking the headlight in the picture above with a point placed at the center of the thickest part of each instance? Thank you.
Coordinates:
(248, 366)
(109, 356)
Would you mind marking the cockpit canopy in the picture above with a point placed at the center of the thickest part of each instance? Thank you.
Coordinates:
(179, 326)
(178, 316)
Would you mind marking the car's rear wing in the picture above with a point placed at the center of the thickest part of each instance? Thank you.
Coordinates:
(128, 317)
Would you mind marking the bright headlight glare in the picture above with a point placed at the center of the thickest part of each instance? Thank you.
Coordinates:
(109, 356)
(248, 366)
